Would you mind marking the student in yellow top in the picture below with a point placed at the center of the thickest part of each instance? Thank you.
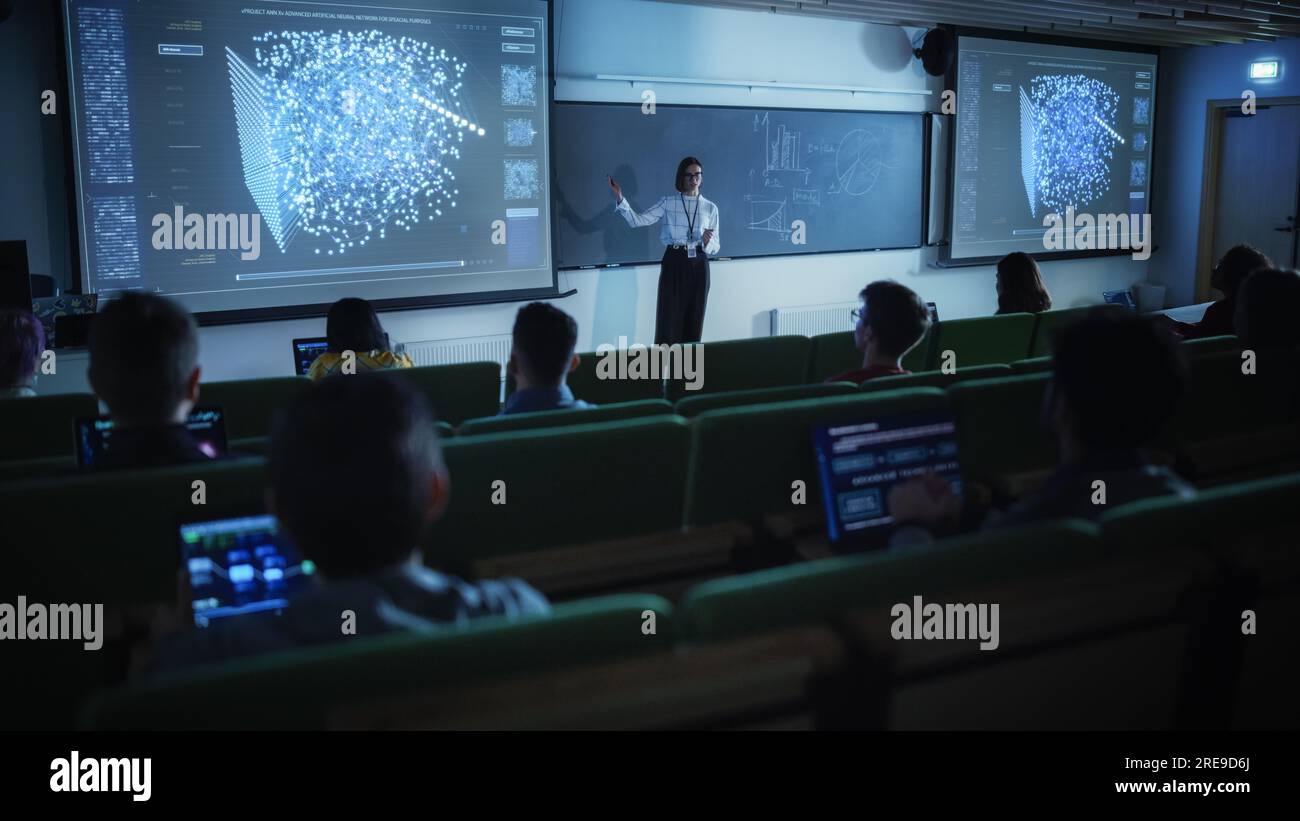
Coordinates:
(354, 326)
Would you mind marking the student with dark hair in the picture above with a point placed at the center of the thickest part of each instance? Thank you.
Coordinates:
(144, 352)
(1020, 285)
(689, 235)
(1237, 263)
(1116, 379)
(891, 320)
(1267, 310)
(22, 341)
(359, 513)
(353, 325)
(541, 358)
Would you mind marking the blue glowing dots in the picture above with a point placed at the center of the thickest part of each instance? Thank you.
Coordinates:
(345, 134)
(1067, 140)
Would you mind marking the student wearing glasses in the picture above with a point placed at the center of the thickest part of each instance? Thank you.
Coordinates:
(690, 235)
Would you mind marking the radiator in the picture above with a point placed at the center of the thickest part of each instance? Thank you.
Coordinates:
(810, 320)
(466, 349)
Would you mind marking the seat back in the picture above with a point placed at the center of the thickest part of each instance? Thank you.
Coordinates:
(250, 405)
(41, 427)
(359, 682)
(564, 418)
(985, 340)
(457, 392)
(602, 378)
(690, 406)
(829, 354)
(745, 364)
(530, 490)
(1000, 435)
(1050, 323)
(934, 379)
(744, 460)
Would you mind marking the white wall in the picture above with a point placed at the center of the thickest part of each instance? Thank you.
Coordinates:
(665, 39)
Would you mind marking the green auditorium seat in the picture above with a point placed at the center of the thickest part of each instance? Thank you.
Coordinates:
(250, 405)
(1083, 641)
(1250, 530)
(986, 340)
(430, 680)
(108, 539)
(832, 354)
(591, 382)
(562, 486)
(747, 364)
(1231, 424)
(111, 537)
(457, 392)
(918, 357)
(1001, 439)
(690, 406)
(40, 427)
(1211, 345)
(744, 460)
(1037, 364)
(829, 354)
(564, 418)
(934, 379)
(816, 591)
(1051, 323)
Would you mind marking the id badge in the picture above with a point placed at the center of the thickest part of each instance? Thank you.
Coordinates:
(690, 252)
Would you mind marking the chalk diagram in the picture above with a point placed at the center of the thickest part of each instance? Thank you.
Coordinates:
(1067, 140)
(344, 135)
(783, 187)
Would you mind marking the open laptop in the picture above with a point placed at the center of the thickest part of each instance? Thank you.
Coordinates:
(858, 464)
(1124, 298)
(240, 565)
(95, 433)
(305, 352)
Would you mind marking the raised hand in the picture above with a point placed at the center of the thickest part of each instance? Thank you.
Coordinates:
(613, 186)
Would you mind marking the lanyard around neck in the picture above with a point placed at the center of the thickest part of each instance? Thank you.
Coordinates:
(690, 220)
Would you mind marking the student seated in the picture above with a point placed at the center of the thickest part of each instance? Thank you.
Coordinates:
(22, 341)
(353, 325)
(358, 512)
(891, 320)
(1115, 382)
(1020, 285)
(1267, 314)
(144, 352)
(541, 359)
(1239, 262)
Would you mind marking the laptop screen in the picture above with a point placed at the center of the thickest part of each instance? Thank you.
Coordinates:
(1124, 298)
(305, 352)
(241, 565)
(858, 464)
(207, 425)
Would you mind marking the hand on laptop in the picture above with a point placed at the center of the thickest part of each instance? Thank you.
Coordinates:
(926, 499)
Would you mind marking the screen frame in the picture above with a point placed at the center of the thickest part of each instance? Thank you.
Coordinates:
(302, 310)
(923, 182)
(945, 258)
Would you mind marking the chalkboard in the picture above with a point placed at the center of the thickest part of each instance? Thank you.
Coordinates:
(854, 178)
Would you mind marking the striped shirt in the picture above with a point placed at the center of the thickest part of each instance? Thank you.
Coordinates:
(670, 210)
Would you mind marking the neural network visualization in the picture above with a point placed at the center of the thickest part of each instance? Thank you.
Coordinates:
(346, 134)
(1067, 139)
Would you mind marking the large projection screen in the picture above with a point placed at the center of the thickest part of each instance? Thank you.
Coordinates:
(1041, 128)
(265, 158)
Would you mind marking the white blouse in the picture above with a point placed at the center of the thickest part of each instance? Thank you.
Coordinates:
(701, 212)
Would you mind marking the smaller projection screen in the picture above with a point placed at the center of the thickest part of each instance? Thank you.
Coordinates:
(1041, 128)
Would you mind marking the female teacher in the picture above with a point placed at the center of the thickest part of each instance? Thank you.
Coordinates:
(690, 234)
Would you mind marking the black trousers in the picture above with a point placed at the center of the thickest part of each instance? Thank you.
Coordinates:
(683, 293)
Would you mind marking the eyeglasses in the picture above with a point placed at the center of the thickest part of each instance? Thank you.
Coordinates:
(856, 313)
(694, 176)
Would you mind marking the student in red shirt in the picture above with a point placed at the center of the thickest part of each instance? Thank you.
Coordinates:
(891, 321)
